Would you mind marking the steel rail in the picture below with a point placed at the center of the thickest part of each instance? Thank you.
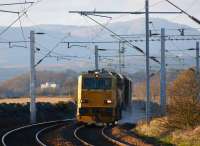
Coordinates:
(3, 139)
(78, 138)
(111, 139)
(42, 131)
(116, 142)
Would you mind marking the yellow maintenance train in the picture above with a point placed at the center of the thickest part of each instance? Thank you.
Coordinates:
(102, 96)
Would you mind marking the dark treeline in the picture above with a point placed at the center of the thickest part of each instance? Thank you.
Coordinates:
(139, 90)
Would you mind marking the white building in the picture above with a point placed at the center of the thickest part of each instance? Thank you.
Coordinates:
(48, 85)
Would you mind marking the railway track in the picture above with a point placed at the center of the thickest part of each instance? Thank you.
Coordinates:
(29, 135)
(32, 135)
(40, 133)
(95, 136)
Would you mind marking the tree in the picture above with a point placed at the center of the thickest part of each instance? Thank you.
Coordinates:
(184, 107)
(140, 89)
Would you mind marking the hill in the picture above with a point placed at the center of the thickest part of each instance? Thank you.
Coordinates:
(67, 83)
(16, 58)
(19, 86)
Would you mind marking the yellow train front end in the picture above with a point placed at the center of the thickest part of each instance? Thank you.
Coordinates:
(97, 101)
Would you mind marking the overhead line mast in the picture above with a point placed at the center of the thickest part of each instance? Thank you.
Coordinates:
(148, 94)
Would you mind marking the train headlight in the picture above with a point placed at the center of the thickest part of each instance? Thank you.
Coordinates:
(108, 101)
(96, 76)
(84, 100)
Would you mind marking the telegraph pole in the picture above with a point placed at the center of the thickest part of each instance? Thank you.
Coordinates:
(32, 79)
(147, 63)
(197, 60)
(163, 74)
(97, 49)
(96, 58)
(120, 61)
(123, 57)
(197, 65)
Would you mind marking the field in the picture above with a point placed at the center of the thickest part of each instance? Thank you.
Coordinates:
(43, 99)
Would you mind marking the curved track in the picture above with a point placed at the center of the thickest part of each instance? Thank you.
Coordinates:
(114, 141)
(28, 135)
(95, 136)
(41, 132)
(32, 135)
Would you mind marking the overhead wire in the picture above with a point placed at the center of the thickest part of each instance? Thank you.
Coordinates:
(169, 51)
(183, 11)
(137, 48)
(58, 56)
(189, 7)
(22, 14)
(49, 52)
(22, 31)
(19, 3)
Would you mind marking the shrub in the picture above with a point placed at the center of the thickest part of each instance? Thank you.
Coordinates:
(184, 107)
(156, 128)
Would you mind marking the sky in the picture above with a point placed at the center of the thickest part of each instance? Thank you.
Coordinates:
(56, 11)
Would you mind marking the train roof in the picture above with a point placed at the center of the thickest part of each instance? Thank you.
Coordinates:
(102, 72)
(106, 73)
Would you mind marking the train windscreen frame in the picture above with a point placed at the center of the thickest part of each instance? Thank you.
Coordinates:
(97, 83)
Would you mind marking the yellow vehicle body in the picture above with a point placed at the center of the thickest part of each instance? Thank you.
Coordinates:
(101, 104)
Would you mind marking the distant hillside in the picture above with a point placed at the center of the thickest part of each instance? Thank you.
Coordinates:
(17, 57)
(8, 73)
(67, 83)
(19, 86)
